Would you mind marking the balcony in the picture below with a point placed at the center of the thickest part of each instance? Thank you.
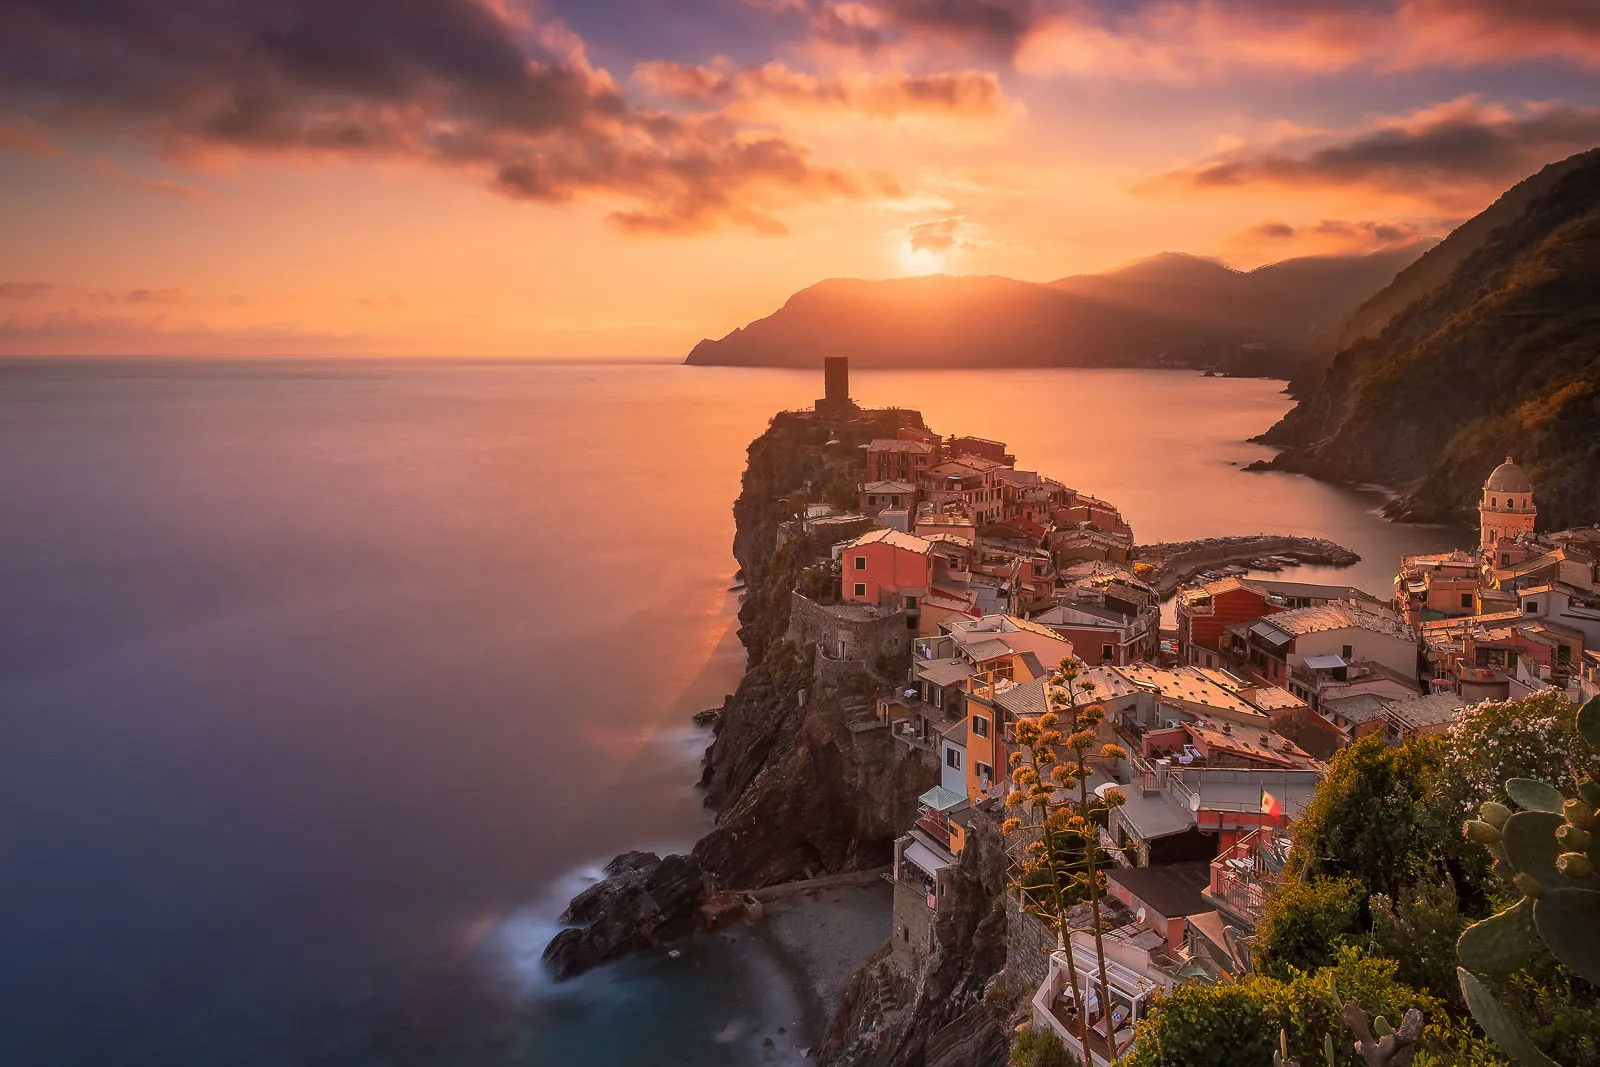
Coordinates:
(936, 826)
(907, 734)
(1243, 877)
(1111, 1019)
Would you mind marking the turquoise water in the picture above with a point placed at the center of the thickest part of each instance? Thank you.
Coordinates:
(323, 683)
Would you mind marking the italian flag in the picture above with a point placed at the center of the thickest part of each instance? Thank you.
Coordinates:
(1270, 804)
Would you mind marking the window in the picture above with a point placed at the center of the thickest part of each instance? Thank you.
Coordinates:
(1106, 652)
(980, 727)
(861, 589)
(1505, 559)
(1466, 600)
(1531, 607)
(985, 771)
(911, 603)
(1346, 651)
(952, 757)
(872, 501)
(861, 563)
(1494, 502)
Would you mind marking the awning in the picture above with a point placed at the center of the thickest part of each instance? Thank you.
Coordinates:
(1325, 663)
(941, 799)
(1270, 633)
(923, 857)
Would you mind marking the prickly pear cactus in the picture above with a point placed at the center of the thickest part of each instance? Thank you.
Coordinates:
(1550, 851)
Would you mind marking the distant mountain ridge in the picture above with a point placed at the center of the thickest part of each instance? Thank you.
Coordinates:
(1487, 346)
(1168, 310)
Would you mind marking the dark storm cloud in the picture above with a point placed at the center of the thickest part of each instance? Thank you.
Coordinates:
(441, 81)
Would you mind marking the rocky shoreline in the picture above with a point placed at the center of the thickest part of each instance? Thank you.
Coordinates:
(797, 793)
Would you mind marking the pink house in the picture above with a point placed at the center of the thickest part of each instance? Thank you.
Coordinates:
(888, 568)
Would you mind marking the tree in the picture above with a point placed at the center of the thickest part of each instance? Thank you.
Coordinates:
(1063, 864)
(1377, 817)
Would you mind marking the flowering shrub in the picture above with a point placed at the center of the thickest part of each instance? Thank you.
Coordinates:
(1530, 738)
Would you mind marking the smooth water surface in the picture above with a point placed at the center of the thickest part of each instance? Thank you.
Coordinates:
(322, 682)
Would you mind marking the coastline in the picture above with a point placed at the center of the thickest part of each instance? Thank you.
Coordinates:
(821, 939)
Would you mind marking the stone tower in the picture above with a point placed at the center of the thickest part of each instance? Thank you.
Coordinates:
(1507, 509)
(836, 384)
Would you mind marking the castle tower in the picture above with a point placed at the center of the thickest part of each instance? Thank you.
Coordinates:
(1507, 509)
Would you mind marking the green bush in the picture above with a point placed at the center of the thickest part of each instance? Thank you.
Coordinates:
(1040, 1048)
(1197, 1025)
(1305, 923)
(1420, 933)
(1237, 1025)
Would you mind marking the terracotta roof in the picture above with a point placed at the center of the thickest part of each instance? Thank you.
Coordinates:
(895, 539)
(886, 444)
(1435, 709)
(1217, 588)
(1335, 616)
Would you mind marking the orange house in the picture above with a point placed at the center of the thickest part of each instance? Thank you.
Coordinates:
(887, 568)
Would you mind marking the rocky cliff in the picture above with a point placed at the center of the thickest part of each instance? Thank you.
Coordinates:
(954, 1011)
(1499, 355)
(799, 787)
(798, 793)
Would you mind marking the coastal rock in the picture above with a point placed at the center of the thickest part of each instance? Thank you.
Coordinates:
(798, 791)
(643, 901)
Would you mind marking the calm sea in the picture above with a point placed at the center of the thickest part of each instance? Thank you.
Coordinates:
(323, 683)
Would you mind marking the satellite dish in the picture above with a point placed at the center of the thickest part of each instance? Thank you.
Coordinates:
(1194, 802)
(1138, 916)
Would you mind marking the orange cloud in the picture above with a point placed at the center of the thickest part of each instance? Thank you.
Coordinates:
(939, 235)
(1179, 41)
(453, 83)
(1448, 154)
(961, 93)
(70, 332)
(24, 290)
(1336, 234)
(154, 296)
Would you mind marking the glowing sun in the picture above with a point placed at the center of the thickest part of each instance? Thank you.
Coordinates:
(920, 260)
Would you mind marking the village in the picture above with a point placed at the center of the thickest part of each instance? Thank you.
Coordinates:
(988, 578)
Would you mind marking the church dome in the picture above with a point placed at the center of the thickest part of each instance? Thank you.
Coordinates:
(1509, 478)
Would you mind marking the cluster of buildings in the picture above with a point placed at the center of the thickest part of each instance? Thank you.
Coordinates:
(998, 575)
(959, 533)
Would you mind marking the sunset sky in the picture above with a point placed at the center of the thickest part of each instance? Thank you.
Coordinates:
(619, 178)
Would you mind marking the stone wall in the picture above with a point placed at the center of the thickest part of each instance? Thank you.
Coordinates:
(1029, 943)
(849, 637)
(911, 931)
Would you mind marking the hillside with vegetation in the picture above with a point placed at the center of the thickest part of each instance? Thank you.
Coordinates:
(1171, 310)
(1501, 357)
